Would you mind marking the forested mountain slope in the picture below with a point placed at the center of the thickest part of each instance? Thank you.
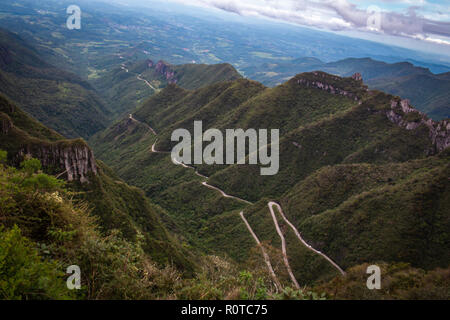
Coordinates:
(129, 85)
(427, 91)
(59, 99)
(355, 164)
(118, 205)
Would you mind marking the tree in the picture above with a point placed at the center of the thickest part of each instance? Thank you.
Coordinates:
(23, 274)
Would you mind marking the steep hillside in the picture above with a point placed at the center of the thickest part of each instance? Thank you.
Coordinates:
(127, 86)
(59, 99)
(394, 212)
(378, 129)
(369, 147)
(118, 205)
(43, 232)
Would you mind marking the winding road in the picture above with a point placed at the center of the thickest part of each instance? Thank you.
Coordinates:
(224, 194)
(265, 255)
(205, 183)
(271, 205)
(283, 247)
(139, 77)
(144, 124)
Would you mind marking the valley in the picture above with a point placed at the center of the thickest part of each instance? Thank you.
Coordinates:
(203, 173)
(352, 138)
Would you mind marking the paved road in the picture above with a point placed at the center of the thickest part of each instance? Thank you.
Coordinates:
(271, 205)
(265, 255)
(146, 125)
(139, 77)
(283, 247)
(205, 183)
(224, 194)
(275, 220)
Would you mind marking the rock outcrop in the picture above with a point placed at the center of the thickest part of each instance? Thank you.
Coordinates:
(77, 160)
(405, 116)
(357, 76)
(164, 70)
(74, 157)
(70, 158)
(331, 84)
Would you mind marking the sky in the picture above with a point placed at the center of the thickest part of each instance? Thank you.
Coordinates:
(410, 23)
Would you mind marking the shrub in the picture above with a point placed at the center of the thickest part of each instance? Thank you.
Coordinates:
(24, 274)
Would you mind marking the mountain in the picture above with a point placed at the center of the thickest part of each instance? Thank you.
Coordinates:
(427, 91)
(117, 205)
(131, 84)
(57, 98)
(87, 177)
(127, 247)
(354, 164)
(181, 34)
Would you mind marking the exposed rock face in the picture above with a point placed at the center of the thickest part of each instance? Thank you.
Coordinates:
(321, 81)
(73, 157)
(328, 88)
(163, 69)
(77, 160)
(439, 131)
(357, 77)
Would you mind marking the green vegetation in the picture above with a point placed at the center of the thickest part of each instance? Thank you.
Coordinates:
(126, 208)
(347, 175)
(118, 205)
(427, 91)
(102, 226)
(23, 274)
(399, 281)
(124, 91)
(358, 187)
(405, 219)
(42, 232)
(59, 99)
(64, 233)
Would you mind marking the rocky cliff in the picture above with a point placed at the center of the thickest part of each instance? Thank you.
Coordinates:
(402, 114)
(351, 88)
(76, 159)
(164, 70)
(72, 159)
(399, 112)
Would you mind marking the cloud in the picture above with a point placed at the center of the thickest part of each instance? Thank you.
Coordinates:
(340, 15)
